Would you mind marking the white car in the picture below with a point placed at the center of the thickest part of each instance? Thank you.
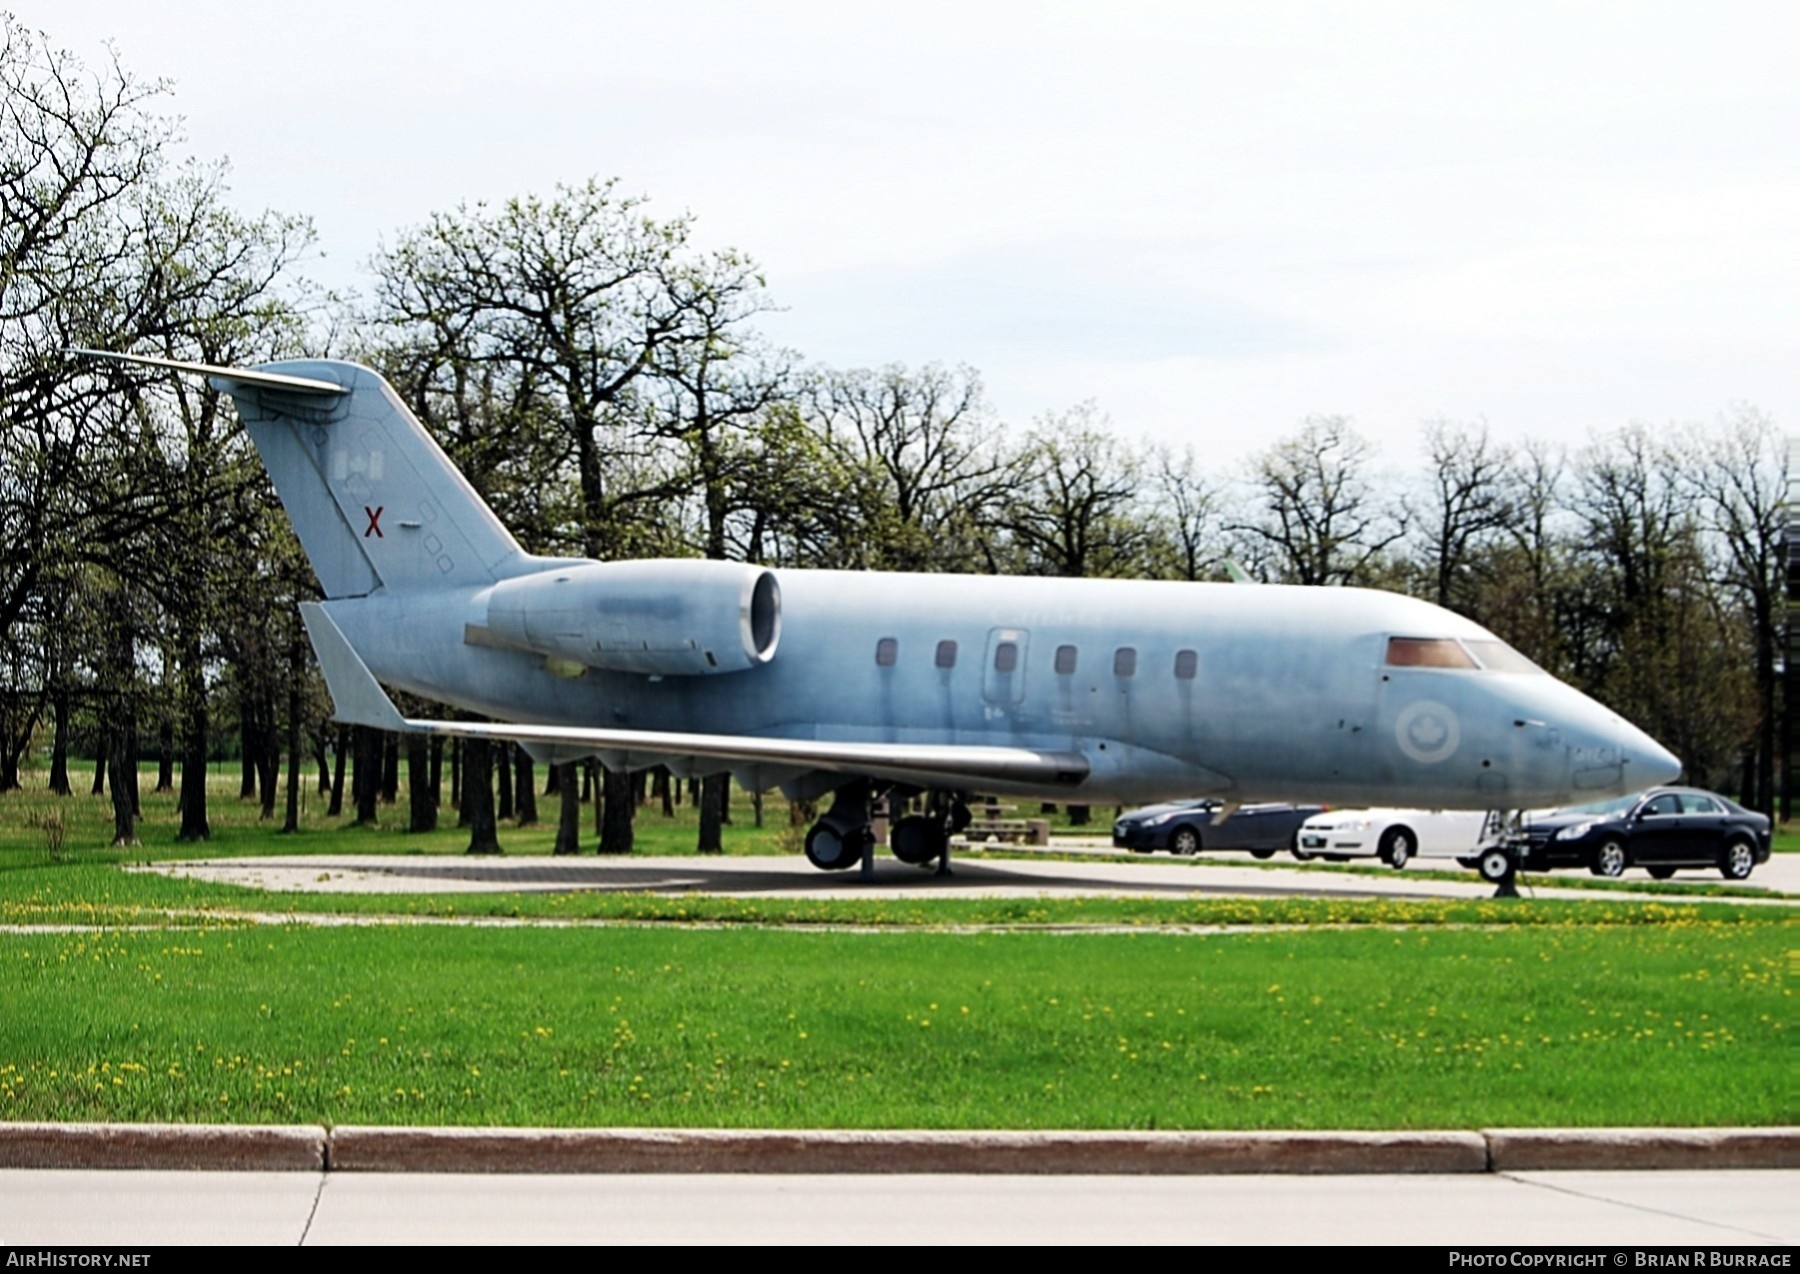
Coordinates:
(1396, 836)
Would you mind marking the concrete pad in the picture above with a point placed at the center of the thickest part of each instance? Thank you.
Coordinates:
(709, 1150)
(765, 877)
(197, 1147)
(1529, 1149)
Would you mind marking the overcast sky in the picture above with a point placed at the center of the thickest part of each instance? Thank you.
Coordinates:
(1213, 219)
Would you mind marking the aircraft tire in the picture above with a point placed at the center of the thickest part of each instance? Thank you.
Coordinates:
(917, 840)
(830, 849)
(1660, 873)
(1262, 853)
(1494, 865)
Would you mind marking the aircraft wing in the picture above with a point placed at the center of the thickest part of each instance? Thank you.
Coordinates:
(360, 700)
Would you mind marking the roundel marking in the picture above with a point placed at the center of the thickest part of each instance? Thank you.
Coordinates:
(1427, 731)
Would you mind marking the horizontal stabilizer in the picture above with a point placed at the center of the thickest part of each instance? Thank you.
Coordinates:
(358, 699)
(231, 375)
(356, 696)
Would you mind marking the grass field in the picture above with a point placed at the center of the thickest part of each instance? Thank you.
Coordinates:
(165, 1004)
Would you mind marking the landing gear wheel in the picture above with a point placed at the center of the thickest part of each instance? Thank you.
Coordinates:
(1185, 842)
(1495, 865)
(1262, 853)
(1739, 861)
(917, 840)
(829, 849)
(1396, 847)
(1660, 873)
(1610, 859)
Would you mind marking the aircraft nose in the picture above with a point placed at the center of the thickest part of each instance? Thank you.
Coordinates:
(1648, 762)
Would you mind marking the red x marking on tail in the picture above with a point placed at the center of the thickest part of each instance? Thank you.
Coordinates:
(374, 522)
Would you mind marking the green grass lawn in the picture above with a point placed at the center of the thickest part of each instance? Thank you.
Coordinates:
(718, 1011)
(1680, 1023)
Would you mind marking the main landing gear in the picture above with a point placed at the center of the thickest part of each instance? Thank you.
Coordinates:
(845, 837)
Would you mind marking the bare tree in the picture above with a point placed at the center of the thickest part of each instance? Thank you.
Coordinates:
(1320, 523)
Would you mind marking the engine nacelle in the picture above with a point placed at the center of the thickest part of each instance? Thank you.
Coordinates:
(663, 617)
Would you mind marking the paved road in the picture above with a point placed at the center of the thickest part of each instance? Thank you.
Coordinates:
(1684, 1209)
(1103, 873)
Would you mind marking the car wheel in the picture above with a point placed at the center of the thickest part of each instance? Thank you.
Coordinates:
(1610, 859)
(1660, 873)
(1396, 847)
(1300, 854)
(1262, 853)
(1494, 864)
(1738, 862)
(1184, 842)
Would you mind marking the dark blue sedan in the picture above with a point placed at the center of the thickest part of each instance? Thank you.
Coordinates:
(1187, 827)
(1661, 830)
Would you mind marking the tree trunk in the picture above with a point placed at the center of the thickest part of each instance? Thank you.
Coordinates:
(478, 797)
(756, 802)
(59, 745)
(196, 727)
(165, 754)
(1078, 815)
(568, 821)
(296, 669)
(617, 811)
(456, 779)
(124, 829)
(712, 802)
(422, 810)
(525, 788)
(102, 750)
(436, 782)
(502, 759)
(268, 761)
(336, 808)
(390, 769)
(324, 761)
(659, 788)
(553, 780)
(366, 786)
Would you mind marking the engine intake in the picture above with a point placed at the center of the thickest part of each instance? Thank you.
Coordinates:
(662, 617)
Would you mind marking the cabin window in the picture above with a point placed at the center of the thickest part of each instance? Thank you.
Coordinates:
(1427, 652)
(887, 650)
(1187, 663)
(1006, 656)
(1125, 661)
(946, 654)
(1497, 656)
(1065, 661)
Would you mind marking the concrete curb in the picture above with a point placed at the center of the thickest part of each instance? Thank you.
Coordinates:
(182, 1147)
(1033, 1153)
(170, 1147)
(1600, 1149)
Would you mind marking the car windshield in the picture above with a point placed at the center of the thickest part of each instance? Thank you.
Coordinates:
(1618, 805)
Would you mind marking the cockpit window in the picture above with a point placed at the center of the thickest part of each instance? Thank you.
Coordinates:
(1427, 652)
(1497, 656)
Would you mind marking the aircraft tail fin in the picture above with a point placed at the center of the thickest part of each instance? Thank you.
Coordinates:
(375, 501)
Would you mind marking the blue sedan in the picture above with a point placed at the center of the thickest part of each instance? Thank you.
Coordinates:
(1187, 827)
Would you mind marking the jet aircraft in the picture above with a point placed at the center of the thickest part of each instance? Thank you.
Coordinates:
(856, 684)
